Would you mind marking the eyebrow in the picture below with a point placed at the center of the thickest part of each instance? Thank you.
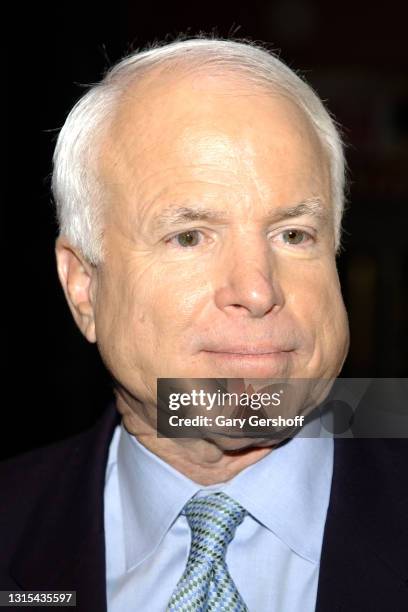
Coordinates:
(174, 216)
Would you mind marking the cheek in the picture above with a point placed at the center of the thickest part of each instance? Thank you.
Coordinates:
(127, 335)
(317, 305)
(178, 292)
(116, 318)
(312, 289)
(149, 308)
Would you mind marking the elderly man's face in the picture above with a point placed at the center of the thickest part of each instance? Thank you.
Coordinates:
(219, 243)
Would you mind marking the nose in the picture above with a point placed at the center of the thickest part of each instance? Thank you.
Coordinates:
(248, 281)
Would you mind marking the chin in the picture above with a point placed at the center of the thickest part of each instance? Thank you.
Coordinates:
(240, 445)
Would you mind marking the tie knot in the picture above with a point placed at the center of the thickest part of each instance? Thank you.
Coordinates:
(213, 521)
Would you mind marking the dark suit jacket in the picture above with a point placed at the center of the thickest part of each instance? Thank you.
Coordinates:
(52, 528)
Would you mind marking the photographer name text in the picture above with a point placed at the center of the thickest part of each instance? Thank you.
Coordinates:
(223, 421)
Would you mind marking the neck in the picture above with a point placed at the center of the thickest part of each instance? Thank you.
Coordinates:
(204, 461)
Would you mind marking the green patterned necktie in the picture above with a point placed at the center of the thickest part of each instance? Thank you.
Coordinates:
(206, 585)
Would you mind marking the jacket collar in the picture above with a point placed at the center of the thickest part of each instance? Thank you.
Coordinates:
(364, 555)
(63, 545)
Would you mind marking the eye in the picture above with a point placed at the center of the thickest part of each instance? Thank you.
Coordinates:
(295, 236)
(188, 239)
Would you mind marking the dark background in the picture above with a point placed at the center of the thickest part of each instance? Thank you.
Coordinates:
(353, 53)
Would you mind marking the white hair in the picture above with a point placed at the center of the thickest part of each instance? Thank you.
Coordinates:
(76, 186)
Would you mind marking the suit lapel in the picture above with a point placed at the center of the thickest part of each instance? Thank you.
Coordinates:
(364, 563)
(63, 546)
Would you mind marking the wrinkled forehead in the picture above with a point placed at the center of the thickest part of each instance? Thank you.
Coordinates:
(176, 127)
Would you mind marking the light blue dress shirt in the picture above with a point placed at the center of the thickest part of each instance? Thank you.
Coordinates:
(274, 556)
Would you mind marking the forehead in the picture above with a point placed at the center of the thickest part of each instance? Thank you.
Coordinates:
(189, 131)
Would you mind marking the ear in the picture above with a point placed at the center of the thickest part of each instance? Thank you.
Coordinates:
(78, 278)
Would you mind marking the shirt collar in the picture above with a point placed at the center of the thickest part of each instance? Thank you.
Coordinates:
(287, 491)
(152, 496)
